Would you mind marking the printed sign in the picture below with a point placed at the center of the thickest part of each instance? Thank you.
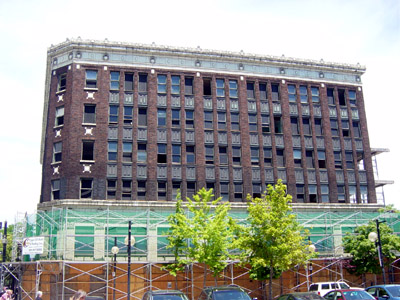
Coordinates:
(33, 245)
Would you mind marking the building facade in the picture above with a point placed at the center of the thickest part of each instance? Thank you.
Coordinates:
(140, 122)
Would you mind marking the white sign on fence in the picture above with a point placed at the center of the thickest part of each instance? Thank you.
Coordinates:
(33, 245)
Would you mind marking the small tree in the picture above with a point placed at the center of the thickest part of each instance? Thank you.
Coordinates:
(205, 236)
(274, 241)
(364, 253)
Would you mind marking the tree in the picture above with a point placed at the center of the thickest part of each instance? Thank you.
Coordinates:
(10, 231)
(204, 235)
(364, 253)
(274, 241)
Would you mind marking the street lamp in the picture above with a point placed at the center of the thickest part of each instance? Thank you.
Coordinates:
(129, 241)
(115, 250)
(376, 238)
(311, 249)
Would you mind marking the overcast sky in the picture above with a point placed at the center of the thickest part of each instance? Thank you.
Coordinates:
(359, 31)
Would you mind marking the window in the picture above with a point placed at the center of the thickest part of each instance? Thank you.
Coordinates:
(62, 82)
(161, 117)
(114, 81)
(252, 122)
(162, 190)
(267, 157)
(236, 155)
(127, 151)
(142, 83)
(175, 84)
(142, 117)
(303, 94)
(356, 129)
(352, 194)
(278, 124)
(176, 187)
(221, 120)
(341, 193)
(314, 94)
(294, 125)
(209, 155)
(207, 86)
(224, 191)
(297, 157)
(238, 195)
(176, 153)
(128, 115)
(112, 151)
(349, 160)
(275, 92)
(306, 126)
(233, 89)
(364, 193)
(126, 189)
(128, 86)
(55, 189)
(280, 158)
(190, 154)
(188, 85)
(220, 88)
(91, 79)
(330, 95)
(88, 150)
(338, 159)
(208, 120)
(352, 98)
(57, 152)
(334, 127)
(309, 159)
(292, 92)
(345, 128)
(141, 190)
(256, 190)
(321, 159)
(142, 153)
(190, 189)
(59, 121)
(250, 90)
(111, 188)
(89, 114)
(255, 155)
(162, 84)
(342, 98)
(162, 154)
(113, 116)
(176, 118)
(223, 155)
(263, 91)
(300, 193)
(235, 121)
(189, 119)
(210, 185)
(318, 127)
(265, 123)
(86, 188)
(325, 193)
(312, 193)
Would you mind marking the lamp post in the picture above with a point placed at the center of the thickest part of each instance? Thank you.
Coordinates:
(115, 250)
(129, 241)
(376, 238)
(311, 249)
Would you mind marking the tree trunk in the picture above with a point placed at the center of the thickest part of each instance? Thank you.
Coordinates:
(271, 273)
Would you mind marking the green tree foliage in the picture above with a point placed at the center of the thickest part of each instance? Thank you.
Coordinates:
(203, 235)
(10, 231)
(274, 241)
(364, 253)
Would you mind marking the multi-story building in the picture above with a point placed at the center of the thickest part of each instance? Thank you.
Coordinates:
(140, 122)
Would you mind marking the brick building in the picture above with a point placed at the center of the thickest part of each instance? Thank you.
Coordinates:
(138, 122)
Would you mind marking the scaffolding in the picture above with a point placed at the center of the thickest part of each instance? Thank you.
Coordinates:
(78, 242)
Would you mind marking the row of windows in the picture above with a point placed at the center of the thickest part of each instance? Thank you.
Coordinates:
(128, 192)
(232, 86)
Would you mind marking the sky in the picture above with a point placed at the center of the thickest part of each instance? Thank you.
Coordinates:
(345, 31)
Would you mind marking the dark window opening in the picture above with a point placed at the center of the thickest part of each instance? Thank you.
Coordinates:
(142, 83)
(342, 98)
(207, 86)
(128, 82)
(162, 154)
(188, 85)
(87, 150)
(250, 90)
